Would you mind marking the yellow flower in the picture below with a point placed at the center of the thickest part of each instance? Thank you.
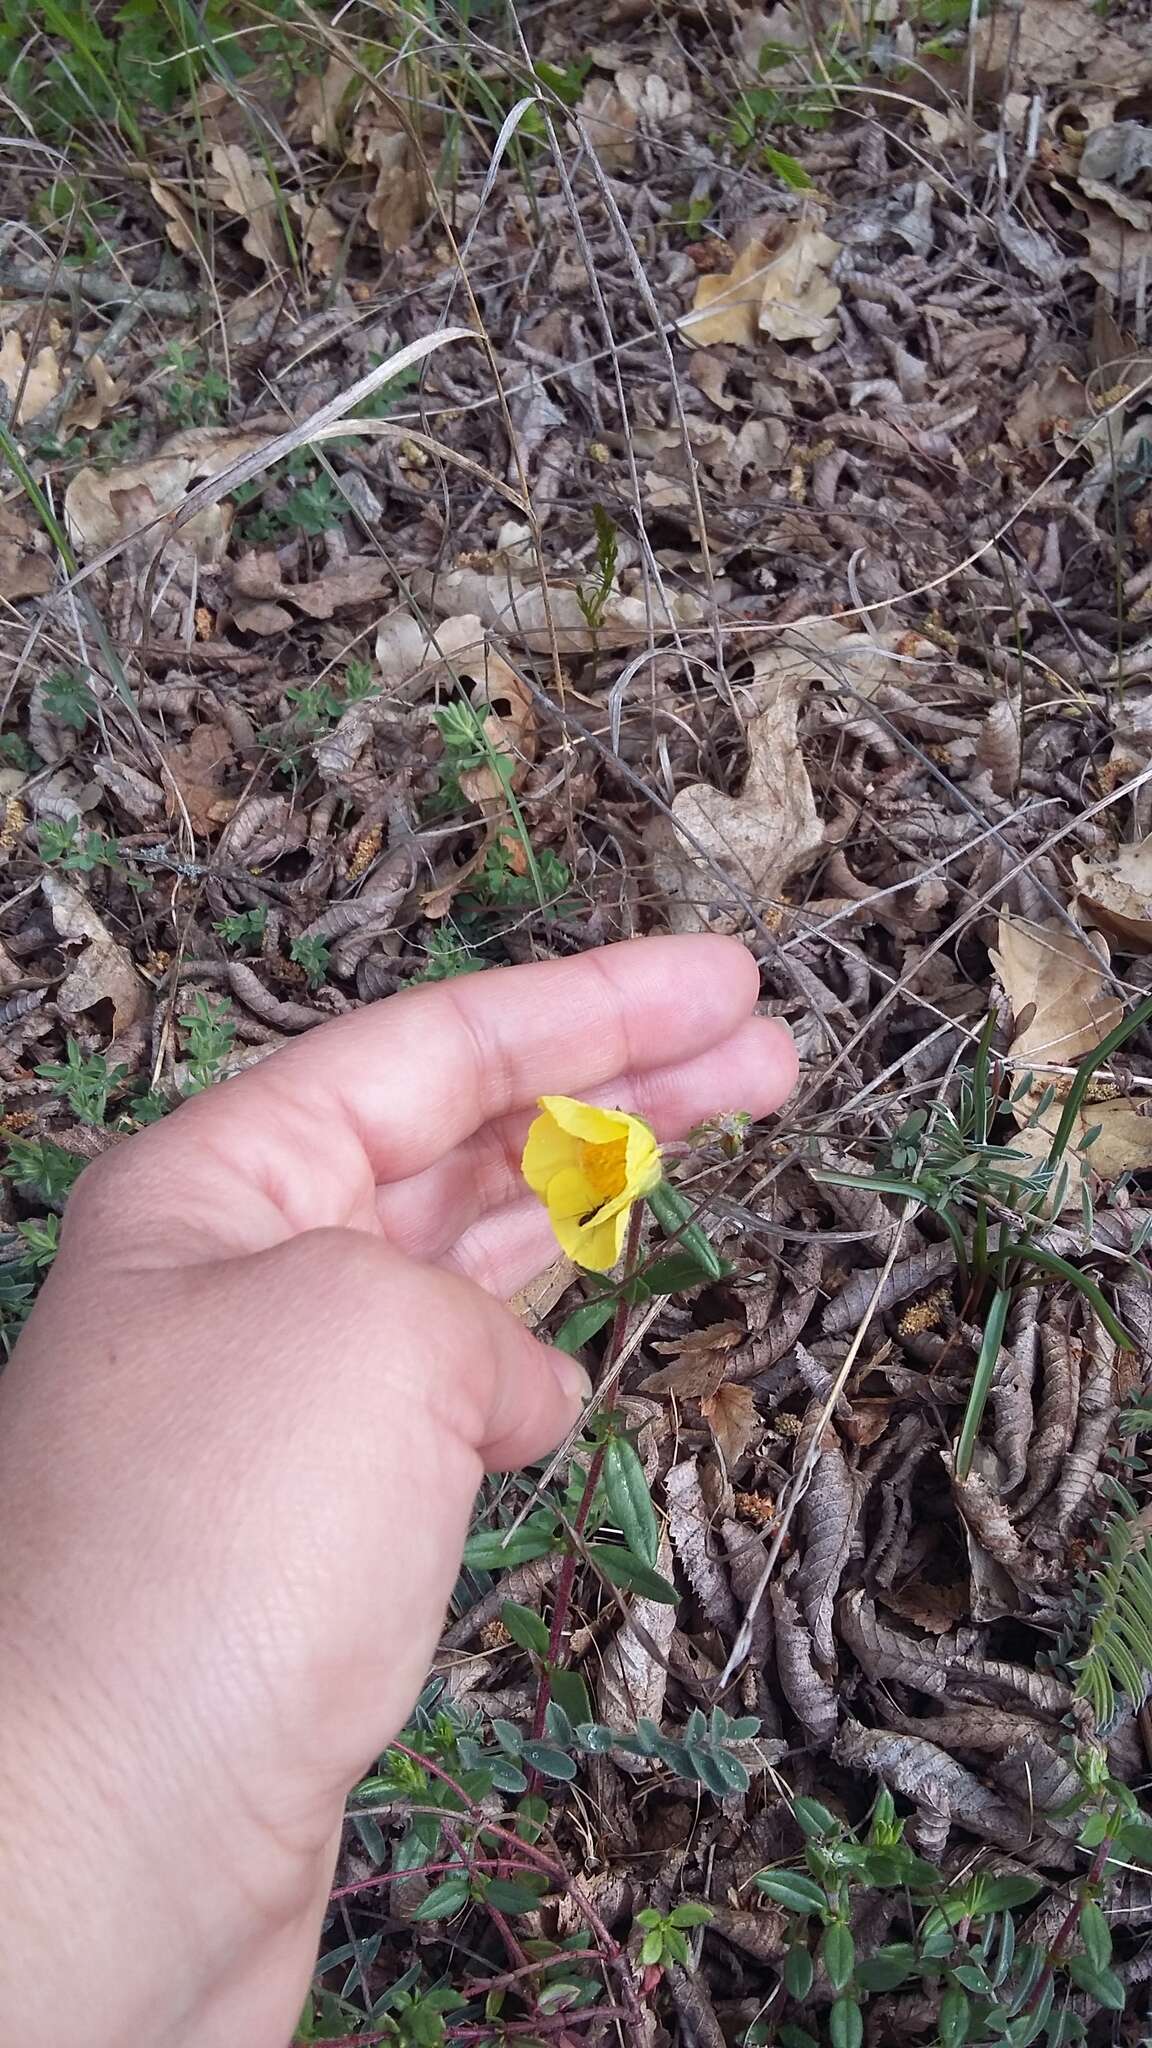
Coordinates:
(588, 1167)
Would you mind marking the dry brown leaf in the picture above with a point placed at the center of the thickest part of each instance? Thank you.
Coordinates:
(104, 972)
(23, 572)
(263, 619)
(400, 200)
(194, 779)
(1057, 983)
(689, 1523)
(779, 288)
(758, 840)
(1053, 42)
(240, 186)
(1119, 256)
(104, 508)
(87, 411)
(523, 612)
(179, 223)
(323, 236)
(731, 1414)
(1055, 400)
(356, 580)
(319, 101)
(633, 1673)
(510, 731)
(533, 1301)
(1118, 893)
(40, 379)
(609, 123)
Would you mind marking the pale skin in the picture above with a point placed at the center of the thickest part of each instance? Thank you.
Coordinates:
(239, 1443)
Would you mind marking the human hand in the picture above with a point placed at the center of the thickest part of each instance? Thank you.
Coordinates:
(239, 1443)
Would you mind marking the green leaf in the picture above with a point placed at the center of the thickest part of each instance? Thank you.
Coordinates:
(887, 1968)
(1096, 1935)
(525, 1627)
(792, 1889)
(692, 1913)
(551, 1763)
(675, 1273)
(515, 1894)
(583, 1324)
(444, 1900)
(569, 1689)
(493, 1550)
(620, 1568)
(955, 2013)
(1102, 1985)
(786, 168)
(813, 1818)
(998, 1892)
(792, 2036)
(846, 2024)
(838, 1953)
(798, 1971)
(629, 1499)
(674, 1215)
(652, 1950)
(1134, 1839)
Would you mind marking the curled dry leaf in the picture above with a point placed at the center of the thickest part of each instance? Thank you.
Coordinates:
(24, 571)
(523, 611)
(87, 411)
(400, 200)
(320, 101)
(241, 187)
(1053, 42)
(321, 232)
(829, 1512)
(179, 223)
(34, 384)
(104, 972)
(1118, 893)
(1057, 985)
(105, 508)
(634, 1672)
(920, 1771)
(730, 1412)
(778, 287)
(690, 1526)
(757, 840)
(356, 580)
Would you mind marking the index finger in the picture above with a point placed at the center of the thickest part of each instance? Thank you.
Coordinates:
(416, 1074)
(303, 1140)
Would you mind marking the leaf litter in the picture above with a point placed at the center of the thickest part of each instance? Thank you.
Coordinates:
(767, 554)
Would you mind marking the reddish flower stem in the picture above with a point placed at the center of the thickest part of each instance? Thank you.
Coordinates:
(565, 1584)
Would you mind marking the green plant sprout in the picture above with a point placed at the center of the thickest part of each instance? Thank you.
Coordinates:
(84, 1080)
(209, 1032)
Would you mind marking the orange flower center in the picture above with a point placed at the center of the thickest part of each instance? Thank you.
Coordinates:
(606, 1166)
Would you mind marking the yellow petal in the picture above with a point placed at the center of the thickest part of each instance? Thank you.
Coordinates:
(643, 1158)
(584, 1120)
(596, 1246)
(547, 1151)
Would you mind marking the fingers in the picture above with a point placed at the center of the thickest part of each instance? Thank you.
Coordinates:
(302, 1141)
(753, 1070)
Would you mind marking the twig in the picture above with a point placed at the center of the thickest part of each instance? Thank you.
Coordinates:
(97, 287)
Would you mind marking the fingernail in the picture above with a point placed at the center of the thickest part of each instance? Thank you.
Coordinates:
(572, 1377)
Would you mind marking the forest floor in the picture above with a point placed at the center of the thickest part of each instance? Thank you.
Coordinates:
(479, 486)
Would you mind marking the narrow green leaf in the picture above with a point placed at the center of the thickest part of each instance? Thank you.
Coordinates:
(578, 1328)
(570, 1690)
(1096, 1935)
(792, 1889)
(674, 1215)
(813, 1818)
(491, 1550)
(787, 169)
(838, 1954)
(525, 1627)
(515, 1894)
(620, 1568)
(846, 2024)
(955, 2013)
(1102, 1985)
(798, 1972)
(629, 1499)
(982, 1378)
(444, 1900)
